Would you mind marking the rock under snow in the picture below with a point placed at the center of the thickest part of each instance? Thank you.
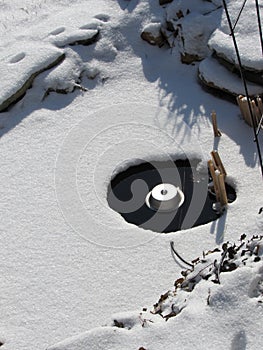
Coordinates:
(222, 72)
(195, 32)
(189, 27)
(216, 76)
(247, 35)
(75, 37)
(152, 34)
(21, 65)
(65, 77)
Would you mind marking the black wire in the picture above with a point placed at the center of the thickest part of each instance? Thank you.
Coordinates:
(242, 8)
(245, 85)
(179, 256)
(259, 26)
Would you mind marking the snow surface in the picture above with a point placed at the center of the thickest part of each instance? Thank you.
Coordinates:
(217, 75)
(195, 23)
(22, 60)
(68, 263)
(247, 35)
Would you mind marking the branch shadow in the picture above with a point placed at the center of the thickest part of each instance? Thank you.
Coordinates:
(179, 90)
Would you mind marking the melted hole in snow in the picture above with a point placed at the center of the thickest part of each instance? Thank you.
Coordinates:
(17, 58)
(57, 31)
(165, 196)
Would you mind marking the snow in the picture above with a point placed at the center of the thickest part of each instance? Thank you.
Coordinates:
(22, 61)
(193, 24)
(69, 264)
(229, 321)
(217, 75)
(246, 32)
(196, 30)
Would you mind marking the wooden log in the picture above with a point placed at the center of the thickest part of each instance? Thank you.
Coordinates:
(215, 179)
(243, 105)
(217, 132)
(260, 105)
(246, 111)
(240, 104)
(256, 112)
(260, 108)
(222, 190)
(218, 162)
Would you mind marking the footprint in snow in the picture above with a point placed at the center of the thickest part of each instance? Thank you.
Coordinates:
(102, 17)
(57, 31)
(17, 58)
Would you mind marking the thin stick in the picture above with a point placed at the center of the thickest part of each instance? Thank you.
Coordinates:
(260, 104)
(255, 111)
(222, 190)
(215, 180)
(239, 102)
(245, 109)
(218, 162)
(217, 132)
(243, 105)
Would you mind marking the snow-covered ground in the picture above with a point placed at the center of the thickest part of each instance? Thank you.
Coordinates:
(68, 262)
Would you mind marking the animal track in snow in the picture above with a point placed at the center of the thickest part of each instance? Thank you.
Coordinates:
(17, 58)
(103, 17)
(57, 31)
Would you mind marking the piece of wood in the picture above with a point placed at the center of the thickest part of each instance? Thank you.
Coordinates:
(244, 109)
(260, 108)
(222, 190)
(217, 132)
(215, 179)
(247, 116)
(260, 105)
(256, 112)
(218, 162)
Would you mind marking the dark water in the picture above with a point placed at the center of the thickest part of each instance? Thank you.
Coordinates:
(128, 190)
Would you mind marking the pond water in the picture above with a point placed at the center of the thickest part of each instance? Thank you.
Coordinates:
(128, 191)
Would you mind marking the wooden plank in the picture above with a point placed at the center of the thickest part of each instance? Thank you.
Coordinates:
(222, 190)
(240, 104)
(260, 105)
(215, 179)
(256, 112)
(243, 105)
(218, 162)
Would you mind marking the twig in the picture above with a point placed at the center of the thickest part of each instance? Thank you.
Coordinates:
(217, 132)
(220, 264)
